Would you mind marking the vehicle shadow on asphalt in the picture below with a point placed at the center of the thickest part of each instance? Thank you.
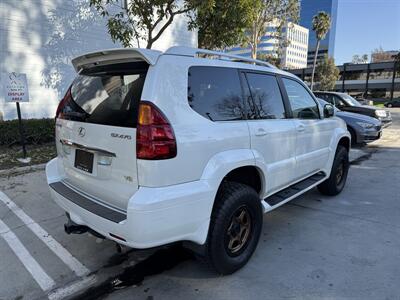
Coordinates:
(160, 260)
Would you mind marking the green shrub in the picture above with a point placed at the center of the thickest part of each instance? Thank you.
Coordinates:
(37, 131)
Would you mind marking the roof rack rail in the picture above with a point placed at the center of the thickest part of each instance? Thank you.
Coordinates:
(188, 51)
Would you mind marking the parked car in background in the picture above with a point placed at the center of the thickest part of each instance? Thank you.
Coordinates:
(347, 103)
(363, 101)
(363, 129)
(393, 103)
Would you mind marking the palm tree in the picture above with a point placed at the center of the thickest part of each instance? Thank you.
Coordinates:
(321, 25)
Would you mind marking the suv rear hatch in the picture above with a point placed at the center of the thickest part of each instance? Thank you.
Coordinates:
(96, 128)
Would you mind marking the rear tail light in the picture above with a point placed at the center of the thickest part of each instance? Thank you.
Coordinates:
(62, 103)
(155, 138)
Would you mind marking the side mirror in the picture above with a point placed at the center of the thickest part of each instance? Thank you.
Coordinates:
(329, 111)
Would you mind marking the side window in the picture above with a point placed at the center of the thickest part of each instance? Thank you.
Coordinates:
(216, 93)
(330, 99)
(267, 98)
(303, 105)
(338, 102)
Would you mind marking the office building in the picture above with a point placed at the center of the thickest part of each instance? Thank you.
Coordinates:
(40, 37)
(308, 9)
(294, 55)
(384, 56)
(375, 81)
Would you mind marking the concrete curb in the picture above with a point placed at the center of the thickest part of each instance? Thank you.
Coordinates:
(21, 170)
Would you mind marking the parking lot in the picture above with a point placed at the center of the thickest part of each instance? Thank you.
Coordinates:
(314, 247)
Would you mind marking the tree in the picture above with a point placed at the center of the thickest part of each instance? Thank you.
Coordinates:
(397, 62)
(271, 58)
(380, 55)
(321, 25)
(222, 23)
(265, 12)
(363, 59)
(355, 59)
(327, 74)
(142, 20)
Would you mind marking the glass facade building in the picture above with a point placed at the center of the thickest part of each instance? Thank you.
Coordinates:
(308, 9)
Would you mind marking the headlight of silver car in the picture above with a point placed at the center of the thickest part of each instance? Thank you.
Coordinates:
(365, 125)
(380, 113)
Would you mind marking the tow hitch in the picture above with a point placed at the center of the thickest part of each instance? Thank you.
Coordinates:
(72, 228)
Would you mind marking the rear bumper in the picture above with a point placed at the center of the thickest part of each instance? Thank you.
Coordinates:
(154, 216)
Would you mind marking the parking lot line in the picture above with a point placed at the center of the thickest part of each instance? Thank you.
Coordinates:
(33, 267)
(73, 288)
(78, 268)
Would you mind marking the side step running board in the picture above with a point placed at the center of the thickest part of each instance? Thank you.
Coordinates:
(294, 189)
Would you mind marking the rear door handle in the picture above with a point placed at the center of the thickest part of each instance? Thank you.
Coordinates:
(301, 128)
(261, 132)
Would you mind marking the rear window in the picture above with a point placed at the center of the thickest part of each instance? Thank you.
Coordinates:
(107, 95)
(215, 93)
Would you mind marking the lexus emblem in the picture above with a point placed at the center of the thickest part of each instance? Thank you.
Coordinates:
(81, 131)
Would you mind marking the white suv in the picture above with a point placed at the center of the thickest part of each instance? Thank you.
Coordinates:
(189, 146)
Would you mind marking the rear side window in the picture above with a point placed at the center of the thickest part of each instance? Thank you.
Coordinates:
(215, 93)
(107, 95)
(338, 102)
(301, 102)
(266, 96)
(323, 96)
(327, 97)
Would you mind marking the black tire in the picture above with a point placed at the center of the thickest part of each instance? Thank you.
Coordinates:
(340, 168)
(353, 136)
(390, 105)
(233, 199)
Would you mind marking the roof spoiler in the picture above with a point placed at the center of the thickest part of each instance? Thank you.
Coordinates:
(115, 55)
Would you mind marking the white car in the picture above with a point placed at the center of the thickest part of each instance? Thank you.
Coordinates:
(189, 146)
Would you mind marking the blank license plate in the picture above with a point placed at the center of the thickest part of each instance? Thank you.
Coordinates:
(84, 160)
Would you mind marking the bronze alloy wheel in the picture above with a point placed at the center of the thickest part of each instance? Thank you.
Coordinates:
(340, 173)
(235, 227)
(238, 232)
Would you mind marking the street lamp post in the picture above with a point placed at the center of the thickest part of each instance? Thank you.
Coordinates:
(343, 76)
(367, 82)
(393, 78)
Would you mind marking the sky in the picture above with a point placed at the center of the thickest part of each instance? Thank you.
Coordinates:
(364, 25)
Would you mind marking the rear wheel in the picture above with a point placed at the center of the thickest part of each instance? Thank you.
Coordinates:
(340, 168)
(235, 228)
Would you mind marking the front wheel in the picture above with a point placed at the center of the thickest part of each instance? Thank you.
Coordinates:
(340, 168)
(235, 228)
(390, 105)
